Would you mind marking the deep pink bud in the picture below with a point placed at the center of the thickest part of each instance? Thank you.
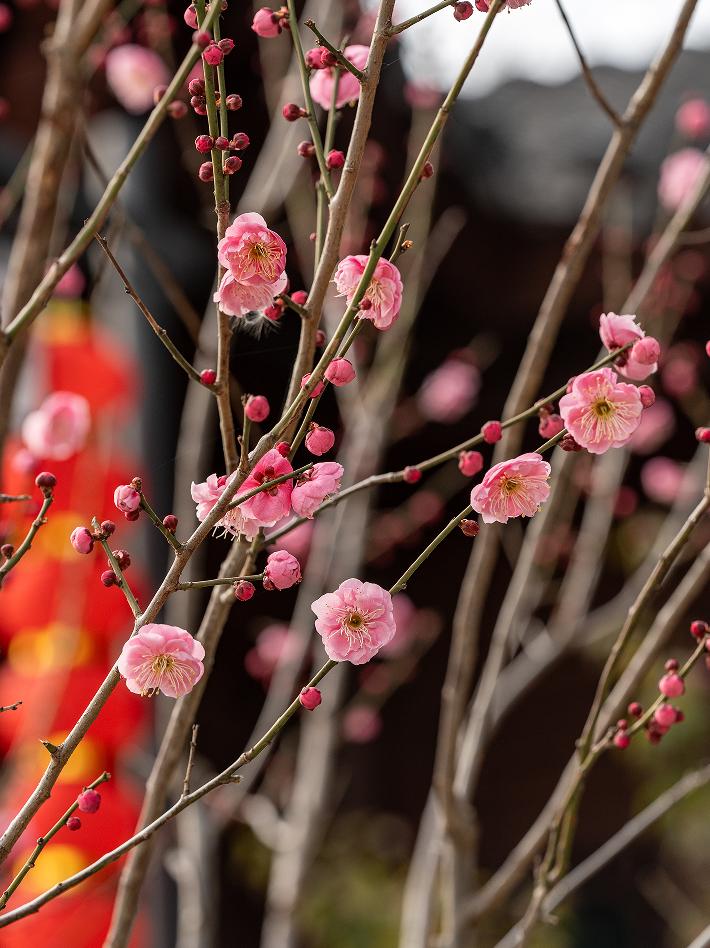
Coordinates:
(412, 475)
(132, 516)
(671, 685)
(206, 172)
(699, 628)
(327, 59)
(226, 45)
(317, 390)
(707, 348)
(221, 143)
(201, 38)
(300, 297)
(234, 102)
(671, 665)
(45, 480)
(284, 448)
(89, 801)
(208, 376)
(469, 528)
(482, 6)
(310, 698)
(319, 440)
(170, 522)
(340, 372)
(190, 17)
(665, 715)
(199, 104)
(313, 58)
(306, 149)
(470, 463)
(108, 578)
(569, 444)
(274, 312)
(7, 549)
(158, 93)
(646, 351)
(320, 339)
(335, 159)
(232, 164)
(213, 55)
(635, 709)
(257, 408)
(81, 540)
(196, 87)
(621, 739)
(243, 590)
(492, 432)
(282, 570)
(462, 10)
(108, 527)
(427, 171)
(204, 144)
(703, 435)
(292, 112)
(550, 425)
(240, 141)
(648, 396)
(123, 558)
(73, 823)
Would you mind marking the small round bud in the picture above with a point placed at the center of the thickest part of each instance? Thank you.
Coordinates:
(648, 396)
(108, 578)
(313, 58)
(240, 141)
(190, 17)
(274, 312)
(306, 149)
(310, 698)
(550, 425)
(221, 143)
(470, 463)
(233, 102)
(196, 87)
(208, 376)
(707, 348)
(671, 665)
(73, 823)
(427, 171)
(45, 480)
(340, 372)
(89, 801)
(201, 38)
(703, 435)
(292, 112)
(170, 522)
(132, 515)
(300, 297)
(646, 351)
(462, 10)
(469, 528)
(665, 716)
(232, 164)
(243, 590)
(318, 388)
(569, 444)
(320, 339)
(204, 144)
(206, 171)
(699, 628)
(159, 93)
(492, 431)
(335, 159)
(257, 408)
(622, 724)
(284, 448)
(621, 740)
(319, 440)
(81, 540)
(213, 55)
(635, 709)
(226, 45)
(108, 527)
(7, 549)
(671, 685)
(327, 59)
(123, 558)
(412, 475)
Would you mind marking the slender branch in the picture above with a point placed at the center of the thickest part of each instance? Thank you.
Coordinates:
(267, 485)
(13, 498)
(120, 578)
(296, 307)
(338, 53)
(596, 92)
(219, 581)
(10, 707)
(26, 544)
(190, 761)
(159, 331)
(158, 523)
(405, 24)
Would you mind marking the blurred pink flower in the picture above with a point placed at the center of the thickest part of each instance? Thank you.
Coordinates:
(662, 479)
(253, 254)
(361, 724)
(600, 412)
(384, 294)
(72, 283)
(514, 488)
(354, 621)
(132, 73)
(274, 643)
(693, 118)
(298, 540)
(323, 80)
(58, 428)
(680, 173)
(266, 23)
(161, 658)
(679, 373)
(314, 486)
(450, 391)
(421, 96)
(238, 299)
(657, 425)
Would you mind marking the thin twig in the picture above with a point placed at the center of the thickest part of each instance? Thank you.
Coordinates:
(13, 498)
(158, 523)
(26, 544)
(10, 707)
(220, 581)
(190, 761)
(338, 53)
(405, 24)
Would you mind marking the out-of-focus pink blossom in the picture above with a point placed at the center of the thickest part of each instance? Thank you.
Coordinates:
(354, 621)
(314, 486)
(238, 299)
(514, 488)
(251, 252)
(361, 724)
(693, 119)
(657, 425)
(662, 480)
(322, 81)
(617, 331)
(383, 295)
(680, 173)
(600, 412)
(450, 391)
(274, 643)
(298, 541)
(58, 428)
(282, 570)
(679, 373)
(161, 658)
(132, 73)
(266, 23)
(550, 425)
(72, 283)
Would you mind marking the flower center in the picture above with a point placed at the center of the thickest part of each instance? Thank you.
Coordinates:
(602, 408)
(263, 257)
(510, 485)
(162, 664)
(354, 621)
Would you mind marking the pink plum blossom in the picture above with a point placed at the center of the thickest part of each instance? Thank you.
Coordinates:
(81, 540)
(275, 643)
(314, 485)
(282, 570)
(58, 428)
(268, 506)
(319, 440)
(514, 488)
(132, 73)
(361, 724)
(72, 283)
(384, 294)
(354, 621)
(323, 80)
(680, 173)
(450, 391)
(266, 23)
(298, 541)
(161, 658)
(657, 425)
(600, 412)
(663, 480)
(617, 331)
(238, 299)
(340, 372)
(693, 118)
(253, 254)
(126, 498)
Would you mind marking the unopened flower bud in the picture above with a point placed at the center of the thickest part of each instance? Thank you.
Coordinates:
(170, 523)
(257, 408)
(82, 540)
(427, 171)
(6, 550)
(292, 112)
(232, 164)
(45, 480)
(327, 59)
(177, 109)
(300, 297)
(699, 628)
(240, 141)
(462, 10)
(470, 463)
(196, 87)
(492, 431)
(201, 38)
(412, 475)
(233, 102)
(208, 376)
(310, 698)
(204, 144)
(108, 578)
(340, 372)
(648, 396)
(569, 444)
(213, 55)
(335, 159)
(284, 448)
(469, 528)
(243, 590)
(123, 558)
(73, 823)
(703, 435)
(221, 143)
(89, 801)
(635, 709)
(306, 149)
(226, 45)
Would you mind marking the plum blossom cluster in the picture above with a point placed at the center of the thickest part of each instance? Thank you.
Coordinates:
(254, 259)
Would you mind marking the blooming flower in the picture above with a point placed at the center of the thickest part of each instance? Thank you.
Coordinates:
(58, 428)
(253, 254)
(514, 488)
(449, 391)
(314, 485)
(282, 570)
(600, 412)
(680, 173)
(384, 294)
(354, 621)
(617, 331)
(161, 658)
(323, 80)
(238, 299)
(132, 73)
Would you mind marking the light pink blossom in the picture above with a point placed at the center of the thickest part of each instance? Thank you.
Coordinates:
(323, 80)
(132, 73)
(693, 118)
(58, 428)
(514, 488)
(274, 643)
(354, 621)
(383, 295)
(161, 658)
(238, 299)
(81, 540)
(450, 391)
(314, 485)
(600, 412)
(680, 173)
(657, 425)
(126, 498)
(72, 283)
(282, 570)
(253, 254)
(361, 724)
(617, 331)
(663, 480)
